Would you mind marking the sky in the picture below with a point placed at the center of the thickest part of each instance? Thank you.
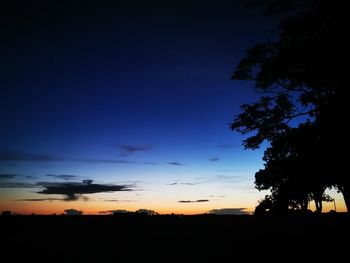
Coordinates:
(126, 105)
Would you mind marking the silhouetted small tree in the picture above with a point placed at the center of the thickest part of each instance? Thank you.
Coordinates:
(6, 213)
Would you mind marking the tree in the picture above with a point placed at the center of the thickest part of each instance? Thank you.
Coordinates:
(303, 81)
(292, 169)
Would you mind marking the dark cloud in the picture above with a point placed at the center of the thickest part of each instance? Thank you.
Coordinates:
(214, 159)
(127, 149)
(178, 183)
(175, 163)
(40, 199)
(121, 211)
(32, 157)
(194, 201)
(16, 185)
(103, 161)
(74, 190)
(227, 146)
(150, 163)
(120, 201)
(66, 177)
(7, 176)
(24, 156)
(228, 211)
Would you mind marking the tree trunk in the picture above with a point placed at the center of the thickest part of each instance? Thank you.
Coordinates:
(346, 194)
(304, 205)
(318, 201)
(318, 204)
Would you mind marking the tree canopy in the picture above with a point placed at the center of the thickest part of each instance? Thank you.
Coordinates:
(302, 110)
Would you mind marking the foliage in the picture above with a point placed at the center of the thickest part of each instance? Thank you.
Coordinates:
(302, 81)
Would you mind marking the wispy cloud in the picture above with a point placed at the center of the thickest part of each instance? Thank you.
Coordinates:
(7, 176)
(65, 177)
(228, 211)
(194, 201)
(122, 211)
(179, 183)
(74, 190)
(214, 179)
(40, 199)
(24, 156)
(127, 149)
(32, 157)
(150, 163)
(214, 159)
(16, 185)
(119, 201)
(176, 163)
(217, 196)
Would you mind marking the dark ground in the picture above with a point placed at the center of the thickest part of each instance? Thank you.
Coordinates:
(174, 238)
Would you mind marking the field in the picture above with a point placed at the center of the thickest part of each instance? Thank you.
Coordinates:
(173, 238)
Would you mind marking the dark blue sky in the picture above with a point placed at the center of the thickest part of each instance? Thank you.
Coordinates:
(130, 91)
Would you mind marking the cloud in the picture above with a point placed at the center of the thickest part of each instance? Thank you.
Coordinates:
(121, 211)
(24, 156)
(16, 185)
(175, 163)
(66, 177)
(178, 183)
(214, 159)
(74, 190)
(194, 201)
(127, 149)
(120, 201)
(40, 199)
(150, 163)
(229, 211)
(32, 157)
(216, 195)
(7, 176)
(19, 156)
(227, 146)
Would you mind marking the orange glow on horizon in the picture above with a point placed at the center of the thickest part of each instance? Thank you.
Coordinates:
(49, 208)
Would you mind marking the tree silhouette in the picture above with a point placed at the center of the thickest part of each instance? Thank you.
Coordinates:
(292, 170)
(302, 110)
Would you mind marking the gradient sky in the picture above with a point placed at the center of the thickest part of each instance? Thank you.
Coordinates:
(129, 94)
